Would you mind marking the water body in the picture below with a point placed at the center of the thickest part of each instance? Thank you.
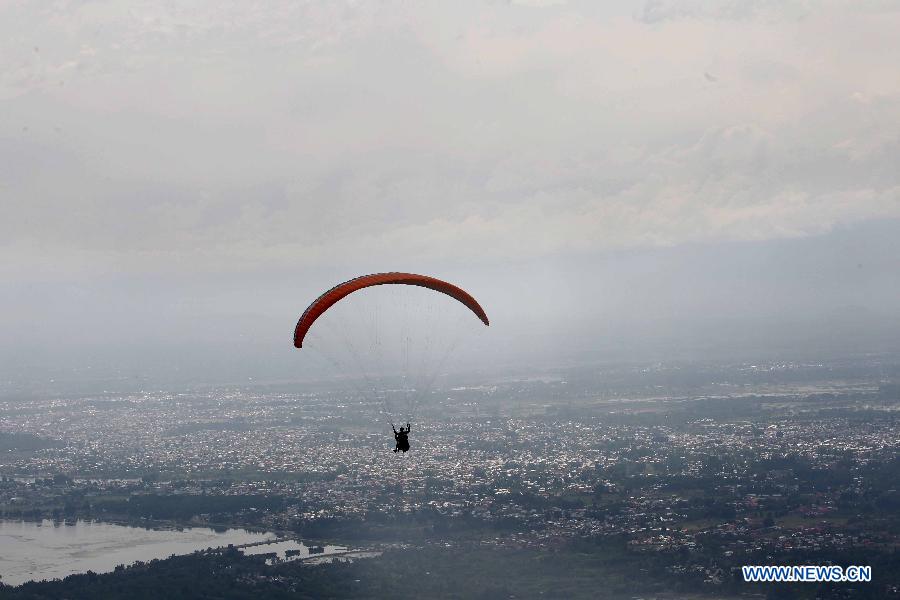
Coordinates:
(292, 549)
(49, 550)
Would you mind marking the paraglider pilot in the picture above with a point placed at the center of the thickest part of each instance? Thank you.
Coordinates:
(402, 438)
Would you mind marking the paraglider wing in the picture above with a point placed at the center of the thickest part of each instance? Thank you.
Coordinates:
(335, 294)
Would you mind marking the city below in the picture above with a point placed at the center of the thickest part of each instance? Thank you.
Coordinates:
(688, 470)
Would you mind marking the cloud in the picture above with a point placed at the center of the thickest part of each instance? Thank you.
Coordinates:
(233, 136)
(656, 11)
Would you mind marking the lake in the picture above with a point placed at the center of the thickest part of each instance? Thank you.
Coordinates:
(48, 550)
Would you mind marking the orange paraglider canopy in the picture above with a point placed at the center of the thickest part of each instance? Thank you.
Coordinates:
(338, 292)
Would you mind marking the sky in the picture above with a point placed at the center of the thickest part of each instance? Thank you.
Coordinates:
(637, 180)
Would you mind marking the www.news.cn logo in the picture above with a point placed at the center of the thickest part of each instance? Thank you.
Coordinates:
(806, 573)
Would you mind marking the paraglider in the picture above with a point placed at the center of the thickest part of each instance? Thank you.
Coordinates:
(402, 438)
(420, 364)
(338, 292)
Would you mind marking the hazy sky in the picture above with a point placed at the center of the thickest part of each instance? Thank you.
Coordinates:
(190, 174)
